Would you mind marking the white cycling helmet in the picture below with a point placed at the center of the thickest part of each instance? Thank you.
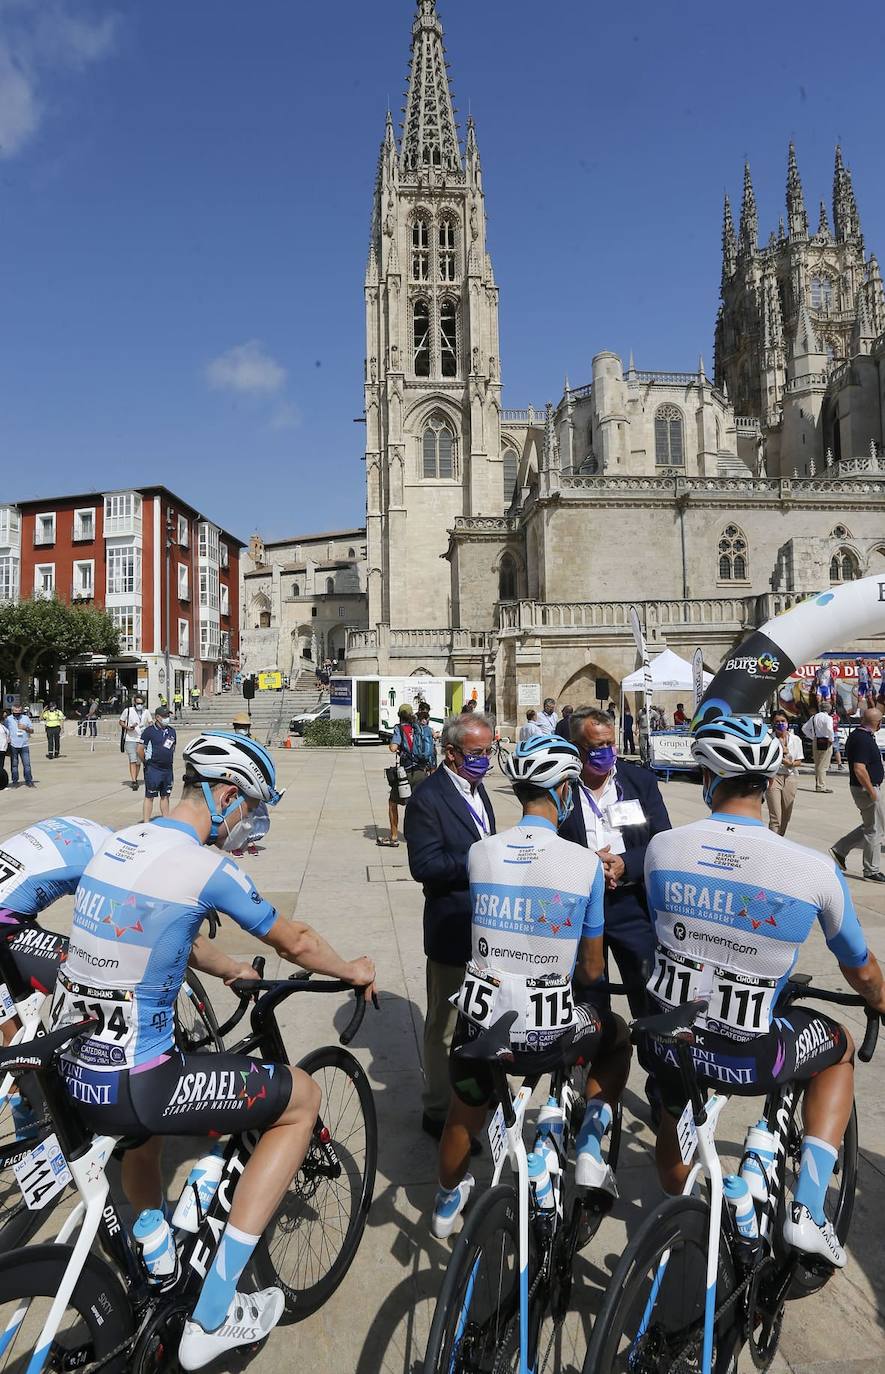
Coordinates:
(732, 746)
(221, 756)
(544, 761)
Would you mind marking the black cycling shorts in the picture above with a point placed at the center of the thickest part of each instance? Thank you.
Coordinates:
(799, 1045)
(36, 953)
(157, 781)
(185, 1094)
(471, 1079)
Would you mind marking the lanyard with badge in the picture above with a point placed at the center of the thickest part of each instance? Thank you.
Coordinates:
(615, 816)
(478, 816)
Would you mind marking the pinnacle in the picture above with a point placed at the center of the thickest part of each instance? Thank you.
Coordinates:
(430, 137)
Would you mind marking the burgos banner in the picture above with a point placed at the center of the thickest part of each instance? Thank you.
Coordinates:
(770, 654)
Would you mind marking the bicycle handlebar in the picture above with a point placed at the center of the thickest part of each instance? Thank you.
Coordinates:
(247, 988)
(844, 999)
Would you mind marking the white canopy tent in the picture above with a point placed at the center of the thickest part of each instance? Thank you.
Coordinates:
(669, 673)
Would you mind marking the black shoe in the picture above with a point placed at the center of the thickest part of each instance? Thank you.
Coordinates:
(33, 784)
(839, 860)
(874, 877)
(435, 1128)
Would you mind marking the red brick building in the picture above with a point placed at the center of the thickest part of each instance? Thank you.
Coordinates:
(167, 575)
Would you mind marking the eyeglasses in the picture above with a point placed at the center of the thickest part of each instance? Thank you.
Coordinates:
(475, 753)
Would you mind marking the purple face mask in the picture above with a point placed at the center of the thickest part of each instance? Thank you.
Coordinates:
(475, 769)
(600, 761)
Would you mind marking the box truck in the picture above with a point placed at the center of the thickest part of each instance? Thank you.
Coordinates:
(371, 704)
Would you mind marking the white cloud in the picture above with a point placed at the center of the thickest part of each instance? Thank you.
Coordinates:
(246, 369)
(39, 38)
(285, 416)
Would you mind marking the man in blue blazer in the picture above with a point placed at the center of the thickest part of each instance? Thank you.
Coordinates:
(618, 807)
(448, 814)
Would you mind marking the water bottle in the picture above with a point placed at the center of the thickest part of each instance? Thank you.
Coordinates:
(755, 1172)
(548, 1139)
(740, 1200)
(403, 786)
(198, 1191)
(541, 1185)
(156, 1245)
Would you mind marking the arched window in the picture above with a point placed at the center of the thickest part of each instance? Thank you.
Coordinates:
(438, 450)
(511, 467)
(330, 586)
(669, 451)
(821, 293)
(420, 249)
(351, 553)
(448, 338)
(296, 590)
(447, 249)
(421, 338)
(264, 620)
(733, 561)
(844, 567)
(507, 579)
(718, 436)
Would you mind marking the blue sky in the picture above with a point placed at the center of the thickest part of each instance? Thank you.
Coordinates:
(186, 187)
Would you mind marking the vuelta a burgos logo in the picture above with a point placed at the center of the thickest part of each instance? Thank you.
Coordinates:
(764, 665)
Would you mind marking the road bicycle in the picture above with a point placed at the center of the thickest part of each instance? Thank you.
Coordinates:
(689, 1291)
(65, 1308)
(25, 953)
(508, 1285)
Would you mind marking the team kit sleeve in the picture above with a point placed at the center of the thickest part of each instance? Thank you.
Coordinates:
(594, 911)
(838, 919)
(233, 893)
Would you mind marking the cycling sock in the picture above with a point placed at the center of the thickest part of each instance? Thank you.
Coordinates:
(815, 1172)
(597, 1119)
(233, 1253)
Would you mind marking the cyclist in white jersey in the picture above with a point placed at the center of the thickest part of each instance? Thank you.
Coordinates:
(537, 903)
(37, 866)
(137, 912)
(732, 904)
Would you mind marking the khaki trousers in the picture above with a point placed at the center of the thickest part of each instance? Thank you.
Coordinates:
(780, 797)
(869, 833)
(821, 764)
(443, 981)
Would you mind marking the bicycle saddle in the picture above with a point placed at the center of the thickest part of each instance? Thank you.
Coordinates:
(799, 980)
(493, 1043)
(38, 1053)
(675, 1024)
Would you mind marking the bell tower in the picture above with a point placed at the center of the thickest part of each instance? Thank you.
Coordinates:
(432, 383)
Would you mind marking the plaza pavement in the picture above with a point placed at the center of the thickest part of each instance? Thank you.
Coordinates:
(321, 862)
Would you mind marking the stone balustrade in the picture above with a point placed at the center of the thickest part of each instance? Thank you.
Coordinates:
(666, 378)
(530, 416)
(747, 424)
(531, 616)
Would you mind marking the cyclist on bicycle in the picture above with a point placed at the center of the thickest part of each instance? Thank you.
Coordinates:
(732, 904)
(537, 904)
(137, 911)
(37, 866)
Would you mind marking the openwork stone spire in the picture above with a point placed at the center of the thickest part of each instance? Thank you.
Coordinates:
(430, 138)
(846, 221)
(729, 244)
(797, 217)
(749, 230)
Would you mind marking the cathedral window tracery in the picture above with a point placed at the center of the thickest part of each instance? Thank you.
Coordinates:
(447, 265)
(420, 249)
(844, 566)
(421, 337)
(733, 557)
(448, 338)
(511, 469)
(821, 292)
(507, 579)
(438, 451)
(669, 448)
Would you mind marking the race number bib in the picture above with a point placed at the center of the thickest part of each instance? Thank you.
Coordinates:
(742, 1003)
(10, 873)
(548, 1007)
(477, 996)
(114, 1010)
(676, 979)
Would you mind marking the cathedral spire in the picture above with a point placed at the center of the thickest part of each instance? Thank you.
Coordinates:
(822, 225)
(797, 219)
(729, 243)
(846, 222)
(749, 230)
(430, 138)
(876, 295)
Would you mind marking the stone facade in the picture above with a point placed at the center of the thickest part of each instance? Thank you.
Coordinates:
(300, 597)
(710, 502)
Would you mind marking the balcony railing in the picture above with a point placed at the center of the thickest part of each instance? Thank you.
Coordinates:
(530, 416)
(521, 616)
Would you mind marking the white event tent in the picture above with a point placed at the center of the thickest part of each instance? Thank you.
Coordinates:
(669, 673)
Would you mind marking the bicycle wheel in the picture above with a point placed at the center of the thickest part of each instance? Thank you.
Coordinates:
(196, 1026)
(652, 1317)
(838, 1203)
(475, 1325)
(97, 1320)
(311, 1242)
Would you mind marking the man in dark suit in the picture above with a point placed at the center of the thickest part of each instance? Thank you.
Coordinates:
(449, 813)
(618, 807)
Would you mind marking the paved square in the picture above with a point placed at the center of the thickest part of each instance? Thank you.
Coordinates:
(322, 862)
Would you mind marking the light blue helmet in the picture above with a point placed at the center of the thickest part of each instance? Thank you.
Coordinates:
(732, 746)
(543, 761)
(222, 756)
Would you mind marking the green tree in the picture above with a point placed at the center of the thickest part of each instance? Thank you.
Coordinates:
(38, 635)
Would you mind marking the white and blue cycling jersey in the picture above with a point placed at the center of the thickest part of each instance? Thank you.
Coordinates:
(533, 897)
(46, 861)
(137, 911)
(732, 904)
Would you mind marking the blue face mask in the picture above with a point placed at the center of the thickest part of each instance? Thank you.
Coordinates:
(709, 789)
(600, 761)
(563, 807)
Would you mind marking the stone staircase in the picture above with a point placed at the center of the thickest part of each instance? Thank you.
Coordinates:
(271, 711)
